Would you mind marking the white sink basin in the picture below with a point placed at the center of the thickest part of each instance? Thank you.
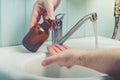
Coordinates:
(21, 64)
(33, 64)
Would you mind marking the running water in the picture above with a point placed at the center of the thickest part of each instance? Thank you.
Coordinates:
(95, 33)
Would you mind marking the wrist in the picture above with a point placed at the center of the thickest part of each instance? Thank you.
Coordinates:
(82, 57)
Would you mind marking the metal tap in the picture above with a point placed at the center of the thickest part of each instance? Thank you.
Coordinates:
(57, 31)
(59, 39)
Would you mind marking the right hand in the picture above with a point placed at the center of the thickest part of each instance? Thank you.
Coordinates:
(45, 9)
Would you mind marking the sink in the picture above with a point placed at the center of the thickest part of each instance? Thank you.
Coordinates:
(22, 64)
(33, 65)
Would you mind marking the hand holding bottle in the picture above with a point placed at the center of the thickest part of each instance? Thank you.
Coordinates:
(45, 9)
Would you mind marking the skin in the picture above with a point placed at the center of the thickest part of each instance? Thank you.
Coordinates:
(45, 9)
(105, 61)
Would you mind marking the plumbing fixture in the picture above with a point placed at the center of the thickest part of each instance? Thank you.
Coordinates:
(57, 31)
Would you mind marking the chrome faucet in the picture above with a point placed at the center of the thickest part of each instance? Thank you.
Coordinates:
(57, 31)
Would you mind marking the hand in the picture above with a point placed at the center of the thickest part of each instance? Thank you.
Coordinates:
(56, 49)
(100, 60)
(45, 9)
(62, 55)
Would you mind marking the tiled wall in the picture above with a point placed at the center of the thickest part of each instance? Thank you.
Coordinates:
(15, 17)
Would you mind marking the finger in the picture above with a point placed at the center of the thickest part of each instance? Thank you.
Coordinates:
(45, 16)
(49, 11)
(49, 60)
(61, 47)
(35, 15)
(56, 3)
(66, 47)
(58, 50)
(51, 50)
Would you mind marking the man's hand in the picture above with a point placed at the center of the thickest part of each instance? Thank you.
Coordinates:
(45, 9)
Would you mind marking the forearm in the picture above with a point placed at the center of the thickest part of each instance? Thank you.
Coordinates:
(106, 61)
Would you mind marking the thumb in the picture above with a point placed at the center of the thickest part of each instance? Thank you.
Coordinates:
(49, 60)
(36, 15)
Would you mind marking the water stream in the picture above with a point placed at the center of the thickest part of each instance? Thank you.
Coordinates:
(95, 33)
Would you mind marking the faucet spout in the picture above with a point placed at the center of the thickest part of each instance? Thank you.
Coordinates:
(92, 17)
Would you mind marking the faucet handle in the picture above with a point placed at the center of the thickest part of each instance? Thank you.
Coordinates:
(58, 20)
(60, 16)
(57, 30)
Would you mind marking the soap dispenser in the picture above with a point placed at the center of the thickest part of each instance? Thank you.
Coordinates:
(38, 35)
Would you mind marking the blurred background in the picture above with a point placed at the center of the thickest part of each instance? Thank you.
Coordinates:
(15, 16)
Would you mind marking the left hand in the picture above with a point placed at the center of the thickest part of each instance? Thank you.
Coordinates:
(63, 56)
(56, 49)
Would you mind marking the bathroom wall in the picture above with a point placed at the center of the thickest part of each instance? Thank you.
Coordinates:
(0, 23)
(13, 20)
(15, 17)
(105, 11)
(76, 9)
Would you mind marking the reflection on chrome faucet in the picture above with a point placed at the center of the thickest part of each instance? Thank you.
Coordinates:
(57, 32)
